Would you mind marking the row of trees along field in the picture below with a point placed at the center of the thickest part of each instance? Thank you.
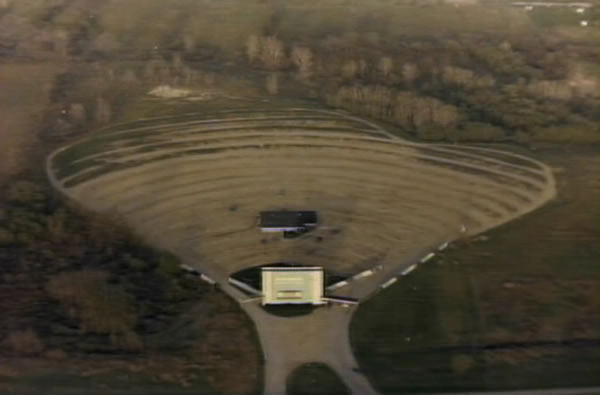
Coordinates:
(450, 91)
(435, 99)
(454, 90)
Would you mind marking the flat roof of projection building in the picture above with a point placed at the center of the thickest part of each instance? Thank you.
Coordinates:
(285, 220)
(292, 285)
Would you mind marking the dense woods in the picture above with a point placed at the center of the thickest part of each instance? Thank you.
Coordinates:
(75, 284)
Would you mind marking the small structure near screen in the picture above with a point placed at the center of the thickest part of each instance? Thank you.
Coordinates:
(291, 223)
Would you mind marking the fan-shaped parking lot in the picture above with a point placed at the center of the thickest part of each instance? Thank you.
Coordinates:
(195, 184)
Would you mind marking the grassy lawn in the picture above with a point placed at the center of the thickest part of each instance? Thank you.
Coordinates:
(515, 310)
(315, 379)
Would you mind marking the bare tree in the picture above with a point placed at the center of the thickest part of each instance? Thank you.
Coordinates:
(150, 70)
(413, 111)
(410, 72)
(189, 75)
(559, 90)
(24, 342)
(452, 75)
(363, 67)
(583, 83)
(209, 79)
(177, 63)
(189, 42)
(100, 307)
(350, 69)
(272, 52)
(106, 42)
(110, 73)
(165, 72)
(129, 77)
(386, 65)
(77, 112)
(272, 83)
(443, 114)
(103, 112)
(61, 42)
(253, 48)
(403, 109)
(303, 59)
(484, 81)
(62, 127)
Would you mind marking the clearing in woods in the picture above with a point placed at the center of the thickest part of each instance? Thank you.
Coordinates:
(195, 183)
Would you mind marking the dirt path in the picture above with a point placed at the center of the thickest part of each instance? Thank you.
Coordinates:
(383, 203)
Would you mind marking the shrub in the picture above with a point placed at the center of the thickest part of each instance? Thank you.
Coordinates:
(56, 354)
(100, 307)
(27, 194)
(24, 342)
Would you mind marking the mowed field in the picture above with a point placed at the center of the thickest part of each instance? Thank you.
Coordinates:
(516, 310)
(195, 183)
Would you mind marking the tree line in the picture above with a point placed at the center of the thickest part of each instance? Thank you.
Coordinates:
(456, 87)
(75, 283)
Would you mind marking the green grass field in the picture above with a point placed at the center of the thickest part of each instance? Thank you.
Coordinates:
(517, 310)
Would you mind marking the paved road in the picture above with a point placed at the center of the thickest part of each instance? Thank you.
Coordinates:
(321, 336)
